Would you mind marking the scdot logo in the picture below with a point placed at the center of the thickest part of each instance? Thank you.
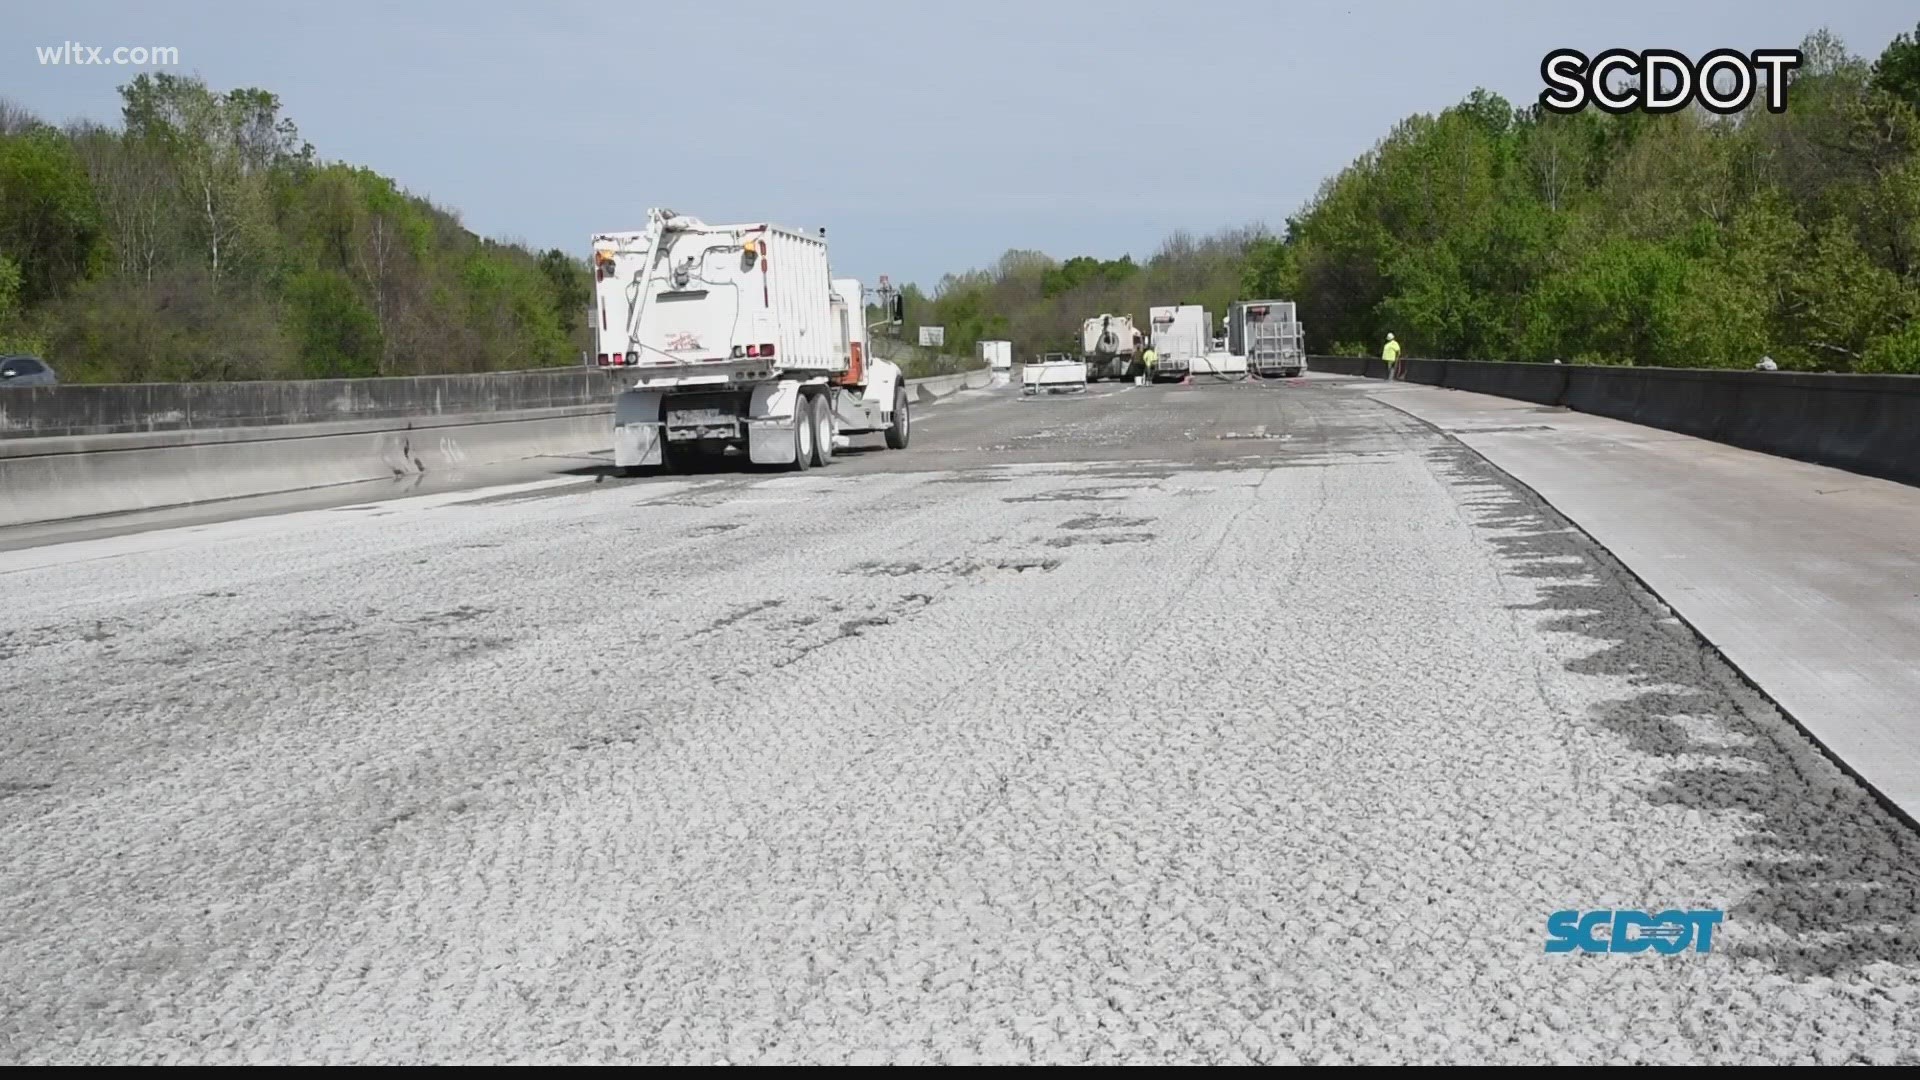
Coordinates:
(1622, 931)
(1664, 81)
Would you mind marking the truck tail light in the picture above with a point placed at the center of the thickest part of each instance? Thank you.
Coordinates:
(633, 358)
(753, 350)
(603, 359)
(738, 352)
(765, 351)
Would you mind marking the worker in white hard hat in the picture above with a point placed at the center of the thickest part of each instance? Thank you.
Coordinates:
(1391, 354)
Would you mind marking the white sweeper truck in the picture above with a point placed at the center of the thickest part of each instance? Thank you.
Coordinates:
(738, 337)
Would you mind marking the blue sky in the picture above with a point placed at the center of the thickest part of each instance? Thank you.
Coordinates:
(926, 136)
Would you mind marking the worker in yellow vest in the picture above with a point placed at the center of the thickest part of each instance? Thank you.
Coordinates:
(1147, 360)
(1391, 354)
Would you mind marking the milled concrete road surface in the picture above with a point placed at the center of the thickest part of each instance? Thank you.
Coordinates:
(1222, 723)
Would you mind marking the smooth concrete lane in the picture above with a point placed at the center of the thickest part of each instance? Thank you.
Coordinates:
(1185, 724)
(580, 469)
(1806, 577)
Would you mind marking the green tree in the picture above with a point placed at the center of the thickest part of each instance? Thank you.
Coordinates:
(14, 336)
(224, 147)
(1897, 72)
(49, 221)
(571, 285)
(338, 337)
(1896, 352)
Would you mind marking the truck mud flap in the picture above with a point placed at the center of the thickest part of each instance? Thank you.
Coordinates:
(770, 442)
(773, 411)
(636, 445)
(636, 429)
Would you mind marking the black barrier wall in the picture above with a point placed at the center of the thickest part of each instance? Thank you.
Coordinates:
(28, 412)
(1868, 424)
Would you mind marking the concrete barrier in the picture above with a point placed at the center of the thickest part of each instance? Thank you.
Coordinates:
(1868, 424)
(1542, 384)
(77, 409)
(1338, 365)
(56, 478)
(66, 477)
(939, 386)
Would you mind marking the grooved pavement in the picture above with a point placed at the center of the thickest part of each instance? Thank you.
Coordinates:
(1221, 723)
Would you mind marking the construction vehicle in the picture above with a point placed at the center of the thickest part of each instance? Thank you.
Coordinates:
(1054, 373)
(1108, 346)
(1269, 335)
(739, 339)
(1180, 337)
(1220, 363)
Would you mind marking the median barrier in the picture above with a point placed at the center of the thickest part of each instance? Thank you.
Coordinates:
(120, 408)
(60, 477)
(935, 387)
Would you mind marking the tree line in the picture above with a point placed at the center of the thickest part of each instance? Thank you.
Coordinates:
(202, 239)
(1501, 233)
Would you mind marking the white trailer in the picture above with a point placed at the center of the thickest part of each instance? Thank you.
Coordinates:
(997, 354)
(738, 338)
(1108, 345)
(1054, 373)
(1180, 338)
(1269, 335)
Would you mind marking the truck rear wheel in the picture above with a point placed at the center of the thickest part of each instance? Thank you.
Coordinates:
(820, 415)
(677, 457)
(901, 429)
(802, 435)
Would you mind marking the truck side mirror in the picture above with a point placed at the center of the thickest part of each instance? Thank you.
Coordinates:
(899, 313)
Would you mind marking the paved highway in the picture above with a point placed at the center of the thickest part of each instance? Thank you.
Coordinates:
(1232, 722)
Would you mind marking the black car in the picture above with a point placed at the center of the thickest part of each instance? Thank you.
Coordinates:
(26, 371)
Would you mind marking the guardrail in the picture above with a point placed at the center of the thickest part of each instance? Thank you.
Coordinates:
(61, 477)
(1868, 424)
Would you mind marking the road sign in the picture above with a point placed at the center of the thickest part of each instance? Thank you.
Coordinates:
(933, 336)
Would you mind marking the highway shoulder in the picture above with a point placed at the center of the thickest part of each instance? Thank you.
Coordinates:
(1806, 578)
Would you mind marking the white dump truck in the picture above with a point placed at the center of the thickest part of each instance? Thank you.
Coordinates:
(739, 338)
(1180, 338)
(1108, 344)
(1269, 336)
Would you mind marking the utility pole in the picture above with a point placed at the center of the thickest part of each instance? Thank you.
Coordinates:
(891, 323)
